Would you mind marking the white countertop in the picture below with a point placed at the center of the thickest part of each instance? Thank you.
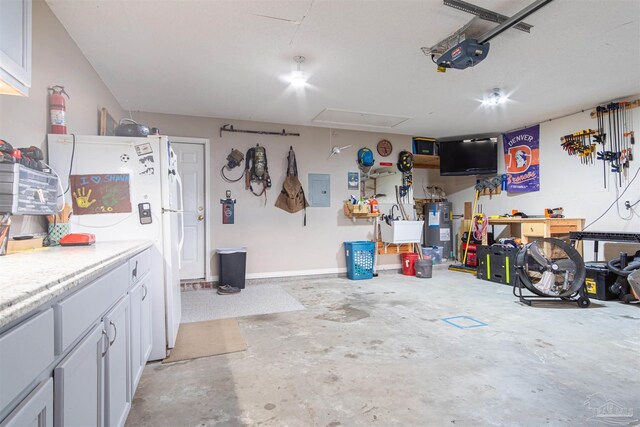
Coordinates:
(30, 279)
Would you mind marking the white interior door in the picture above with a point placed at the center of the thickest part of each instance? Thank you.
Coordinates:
(191, 169)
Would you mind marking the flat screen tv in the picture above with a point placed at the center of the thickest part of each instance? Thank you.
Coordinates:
(469, 157)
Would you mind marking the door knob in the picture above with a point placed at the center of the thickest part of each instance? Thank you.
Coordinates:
(200, 217)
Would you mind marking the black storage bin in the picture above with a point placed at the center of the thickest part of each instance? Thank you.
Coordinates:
(233, 264)
(496, 263)
(423, 145)
(598, 281)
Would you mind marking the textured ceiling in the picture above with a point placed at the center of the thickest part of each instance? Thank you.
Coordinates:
(226, 59)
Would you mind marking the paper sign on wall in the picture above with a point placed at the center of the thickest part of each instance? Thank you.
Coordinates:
(434, 218)
(100, 194)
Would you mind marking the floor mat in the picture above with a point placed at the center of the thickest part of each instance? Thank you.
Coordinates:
(202, 339)
(254, 299)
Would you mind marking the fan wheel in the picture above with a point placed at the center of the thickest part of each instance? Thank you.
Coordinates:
(583, 302)
(551, 268)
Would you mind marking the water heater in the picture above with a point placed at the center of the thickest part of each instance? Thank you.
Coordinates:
(438, 227)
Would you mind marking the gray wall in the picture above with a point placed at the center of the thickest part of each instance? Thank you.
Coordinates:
(276, 241)
(56, 60)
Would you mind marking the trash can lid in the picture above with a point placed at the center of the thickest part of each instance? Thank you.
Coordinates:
(231, 250)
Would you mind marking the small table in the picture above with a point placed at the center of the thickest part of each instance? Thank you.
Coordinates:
(529, 228)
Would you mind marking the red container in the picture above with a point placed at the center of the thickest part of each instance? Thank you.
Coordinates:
(408, 264)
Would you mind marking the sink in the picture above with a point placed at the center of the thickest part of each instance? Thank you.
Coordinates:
(401, 232)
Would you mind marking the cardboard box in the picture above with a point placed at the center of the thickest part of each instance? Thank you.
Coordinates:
(24, 245)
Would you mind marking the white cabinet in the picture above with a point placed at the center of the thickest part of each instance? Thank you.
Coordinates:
(140, 329)
(25, 351)
(147, 322)
(94, 342)
(118, 367)
(15, 46)
(36, 410)
(92, 385)
(79, 382)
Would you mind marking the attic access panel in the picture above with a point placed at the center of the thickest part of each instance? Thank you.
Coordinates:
(333, 116)
(319, 190)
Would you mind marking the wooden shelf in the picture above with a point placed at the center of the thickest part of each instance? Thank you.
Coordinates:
(390, 248)
(425, 161)
(348, 212)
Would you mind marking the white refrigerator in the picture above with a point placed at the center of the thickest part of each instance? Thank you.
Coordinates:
(129, 189)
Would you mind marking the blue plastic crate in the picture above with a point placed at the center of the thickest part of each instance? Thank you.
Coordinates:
(359, 259)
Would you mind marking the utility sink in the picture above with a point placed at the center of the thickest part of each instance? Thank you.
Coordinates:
(401, 232)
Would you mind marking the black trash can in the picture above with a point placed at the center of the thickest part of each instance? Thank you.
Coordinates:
(233, 263)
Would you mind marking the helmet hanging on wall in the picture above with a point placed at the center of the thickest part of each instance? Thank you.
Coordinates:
(365, 157)
(405, 161)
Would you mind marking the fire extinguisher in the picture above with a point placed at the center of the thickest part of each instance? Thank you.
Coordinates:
(57, 109)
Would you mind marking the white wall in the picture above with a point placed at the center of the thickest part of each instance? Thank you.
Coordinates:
(277, 243)
(564, 182)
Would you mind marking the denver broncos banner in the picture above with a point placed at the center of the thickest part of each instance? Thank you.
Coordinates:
(522, 159)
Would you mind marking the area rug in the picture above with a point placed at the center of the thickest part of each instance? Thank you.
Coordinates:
(210, 338)
(254, 299)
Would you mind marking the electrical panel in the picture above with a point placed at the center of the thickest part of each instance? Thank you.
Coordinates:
(319, 190)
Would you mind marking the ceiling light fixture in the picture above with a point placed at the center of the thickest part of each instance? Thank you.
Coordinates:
(494, 98)
(298, 78)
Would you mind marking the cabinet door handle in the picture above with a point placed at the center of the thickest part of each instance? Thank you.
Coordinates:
(104, 334)
(115, 333)
(145, 292)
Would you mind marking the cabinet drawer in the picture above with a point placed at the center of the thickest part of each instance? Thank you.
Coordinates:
(25, 351)
(533, 229)
(76, 313)
(563, 229)
(35, 410)
(139, 265)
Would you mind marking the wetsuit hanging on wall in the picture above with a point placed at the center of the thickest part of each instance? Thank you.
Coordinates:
(257, 170)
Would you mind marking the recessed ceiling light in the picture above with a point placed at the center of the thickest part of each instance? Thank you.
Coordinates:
(494, 98)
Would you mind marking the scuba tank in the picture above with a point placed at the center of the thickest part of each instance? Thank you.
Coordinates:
(257, 170)
(260, 161)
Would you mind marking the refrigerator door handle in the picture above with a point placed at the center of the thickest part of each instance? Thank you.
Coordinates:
(181, 213)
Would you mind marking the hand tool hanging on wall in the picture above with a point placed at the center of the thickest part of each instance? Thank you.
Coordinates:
(579, 144)
(257, 171)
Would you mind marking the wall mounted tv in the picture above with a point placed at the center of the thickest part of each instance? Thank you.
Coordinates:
(469, 157)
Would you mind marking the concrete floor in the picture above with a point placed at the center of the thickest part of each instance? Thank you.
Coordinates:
(377, 352)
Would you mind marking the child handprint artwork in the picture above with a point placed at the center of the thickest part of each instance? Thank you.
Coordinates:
(100, 193)
(82, 197)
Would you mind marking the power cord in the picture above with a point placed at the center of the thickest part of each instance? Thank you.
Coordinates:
(614, 202)
(73, 153)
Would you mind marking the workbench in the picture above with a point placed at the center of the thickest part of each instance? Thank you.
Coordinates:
(528, 229)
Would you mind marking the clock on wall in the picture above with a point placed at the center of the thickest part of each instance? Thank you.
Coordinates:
(384, 148)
